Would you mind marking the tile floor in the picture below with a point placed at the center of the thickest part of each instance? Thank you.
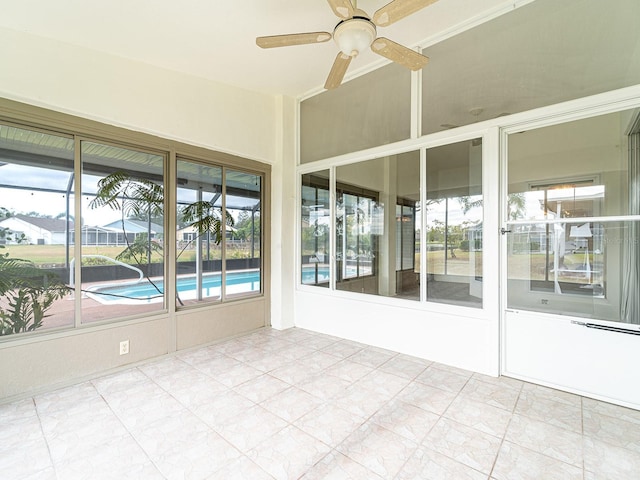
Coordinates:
(298, 404)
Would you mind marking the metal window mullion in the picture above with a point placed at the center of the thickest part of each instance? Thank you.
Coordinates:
(171, 233)
(416, 103)
(333, 248)
(199, 269)
(223, 241)
(423, 226)
(77, 232)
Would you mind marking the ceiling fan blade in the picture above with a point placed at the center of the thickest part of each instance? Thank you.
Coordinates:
(342, 8)
(338, 70)
(397, 10)
(292, 39)
(399, 53)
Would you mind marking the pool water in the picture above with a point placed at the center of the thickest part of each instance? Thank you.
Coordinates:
(236, 282)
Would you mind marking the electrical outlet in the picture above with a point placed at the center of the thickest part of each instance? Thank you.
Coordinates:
(124, 347)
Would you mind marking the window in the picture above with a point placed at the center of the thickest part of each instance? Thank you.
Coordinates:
(122, 236)
(243, 201)
(81, 249)
(358, 225)
(218, 217)
(377, 227)
(453, 232)
(315, 229)
(36, 230)
(199, 232)
(572, 206)
(406, 234)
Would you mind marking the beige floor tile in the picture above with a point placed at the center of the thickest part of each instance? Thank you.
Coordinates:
(545, 406)
(336, 466)
(547, 439)
(466, 445)
(371, 357)
(502, 380)
(443, 379)
(109, 461)
(242, 468)
(404, 366)
(329, 424)
(481, 416)
(360, 401)
(606, 461)
(518, 463)
(616, 411)
(324, 386)
(198, 414)
(427, 397)
(494, 394)
(220, 409)
(237, 375)
(405, 419)
(343, 349)
(291, 404)
(249, 428)
(289, 453)
(261, 388)
(384, 384)
(378, 449)
(615, 431)
(296, 372)
(348, 370)
(428, 464)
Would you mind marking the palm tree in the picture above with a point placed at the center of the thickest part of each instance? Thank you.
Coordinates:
(137, 197)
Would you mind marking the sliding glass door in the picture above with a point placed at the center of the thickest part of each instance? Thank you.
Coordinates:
(571, 213)
(572, 250)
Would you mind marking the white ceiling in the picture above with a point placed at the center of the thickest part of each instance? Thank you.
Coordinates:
(215, 39)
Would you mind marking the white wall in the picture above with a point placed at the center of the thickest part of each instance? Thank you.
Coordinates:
(94, 85)
(283, 219)
(447, 335)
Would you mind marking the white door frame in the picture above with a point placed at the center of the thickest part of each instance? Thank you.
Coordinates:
(556, 350)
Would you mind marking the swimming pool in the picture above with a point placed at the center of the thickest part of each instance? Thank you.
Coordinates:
(144, 292)
(135, 293)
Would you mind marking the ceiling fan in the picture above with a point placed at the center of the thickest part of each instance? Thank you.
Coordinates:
(355, 32)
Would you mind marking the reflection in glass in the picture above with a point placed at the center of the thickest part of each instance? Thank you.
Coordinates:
(587, 168)
(315, 229)
(377, 244)
(36, 230)
(572, 268)
(453, 232)
(243, 239)
(122, 232)
(575, 169)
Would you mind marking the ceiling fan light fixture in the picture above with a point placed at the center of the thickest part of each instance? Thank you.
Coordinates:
(354, 35)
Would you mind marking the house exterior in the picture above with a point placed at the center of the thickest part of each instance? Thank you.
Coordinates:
(37, 230)
(52, 231)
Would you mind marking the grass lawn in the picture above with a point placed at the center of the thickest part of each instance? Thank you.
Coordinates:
(54, 255)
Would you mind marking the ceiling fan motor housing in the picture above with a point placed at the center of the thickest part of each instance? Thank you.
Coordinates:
(354, 35)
